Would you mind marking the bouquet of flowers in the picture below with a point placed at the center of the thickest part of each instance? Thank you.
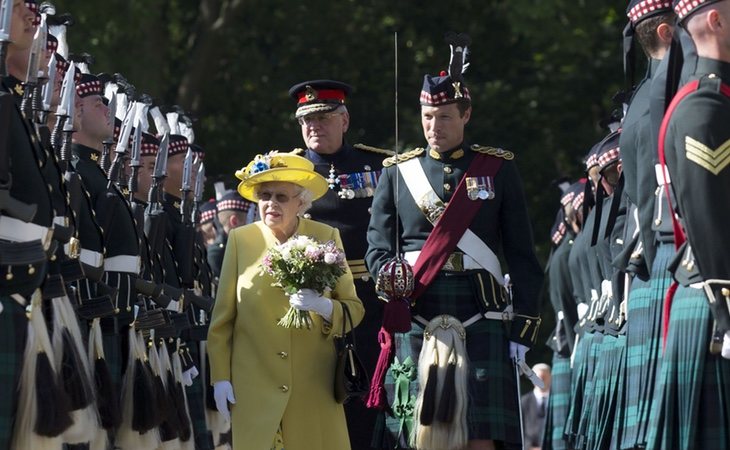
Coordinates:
(303, 263)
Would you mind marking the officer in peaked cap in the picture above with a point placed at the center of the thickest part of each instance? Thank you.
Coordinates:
(695, 140)
(352, 172)
(449, 278)
(233, 211)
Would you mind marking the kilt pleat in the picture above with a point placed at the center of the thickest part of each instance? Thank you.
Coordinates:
(691, 403)
(577, 383)
(493, 400)
(558, 405)
(589, 391)
(13, 334)
(644, 346)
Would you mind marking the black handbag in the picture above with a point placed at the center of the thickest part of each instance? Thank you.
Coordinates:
(351, 379)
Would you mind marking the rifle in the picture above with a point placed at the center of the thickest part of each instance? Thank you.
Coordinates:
(31, 98)
(155, 219)
(104, 161)
(120, 150)
(185, 240)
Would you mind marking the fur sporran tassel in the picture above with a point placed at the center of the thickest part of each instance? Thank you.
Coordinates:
(75, 373)
(428, 405)
(42, 413)
(168, 428)
(127, 438)
(180, 399)
(447, 401)
(107, 400)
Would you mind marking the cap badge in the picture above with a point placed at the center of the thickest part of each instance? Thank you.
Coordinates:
(311, 94)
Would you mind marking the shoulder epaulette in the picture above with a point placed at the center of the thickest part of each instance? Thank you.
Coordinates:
(298, 151)
(380, 151)
(403, 157)
(493, 151)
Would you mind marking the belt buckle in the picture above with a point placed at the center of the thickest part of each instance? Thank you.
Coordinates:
(454, 263)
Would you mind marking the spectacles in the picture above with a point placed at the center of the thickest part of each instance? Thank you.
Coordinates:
(278, 197)
(315, 119)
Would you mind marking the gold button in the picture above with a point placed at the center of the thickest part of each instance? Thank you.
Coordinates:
(448, 169)
(447, 186)
(658, 222)
(726, 292)
(284, 388)
(690, 266)
(283, 355)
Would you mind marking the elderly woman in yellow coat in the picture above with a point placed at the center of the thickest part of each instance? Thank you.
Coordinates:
(278, 381)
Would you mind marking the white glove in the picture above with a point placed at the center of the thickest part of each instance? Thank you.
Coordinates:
(308, 300)
(726, 346)
(223, 393)
(517, 351)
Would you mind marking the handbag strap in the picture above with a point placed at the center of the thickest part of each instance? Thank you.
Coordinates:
(347, 318)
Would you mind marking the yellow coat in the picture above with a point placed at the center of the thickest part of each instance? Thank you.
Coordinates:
(279, 375)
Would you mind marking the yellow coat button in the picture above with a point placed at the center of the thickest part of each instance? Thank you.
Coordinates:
(283, 355)
(284, 388)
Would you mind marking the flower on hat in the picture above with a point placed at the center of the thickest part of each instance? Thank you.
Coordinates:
(260, 164)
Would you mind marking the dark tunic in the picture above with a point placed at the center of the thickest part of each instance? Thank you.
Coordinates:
(503, 224)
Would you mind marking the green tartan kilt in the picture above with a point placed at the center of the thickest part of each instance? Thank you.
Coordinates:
(493, 411)
(605, 393)
(577, 386)
(558, 405)
(13, 334)
(644, 346)
(691, 407)
(589, 391)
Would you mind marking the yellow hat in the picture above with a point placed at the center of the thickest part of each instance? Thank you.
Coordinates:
(275, 166)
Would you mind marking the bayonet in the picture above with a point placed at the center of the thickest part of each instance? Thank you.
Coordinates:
(185, 189)
(159, 173)
(120, 150)
(31, 76)
(50, 84)
(135, 162)
(198, 193)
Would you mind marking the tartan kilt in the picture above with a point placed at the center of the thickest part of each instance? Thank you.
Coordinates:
(644, 346)
(558, 405)
(589, 391)
(196, 403)
(605, 387)
(577, 386)
(13, 334)
(493, 411)
(690, 409)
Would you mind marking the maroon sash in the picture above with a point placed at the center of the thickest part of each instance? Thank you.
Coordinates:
(451, 226)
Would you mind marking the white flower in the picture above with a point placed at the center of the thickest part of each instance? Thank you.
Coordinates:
(330, 258)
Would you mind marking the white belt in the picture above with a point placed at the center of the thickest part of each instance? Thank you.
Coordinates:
(61, 220)
(659, 177)
(91, 258)
(505, 315)
(469, 262)
(122, 263)
(15, 230)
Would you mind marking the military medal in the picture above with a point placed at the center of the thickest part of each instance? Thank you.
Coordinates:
(490, 189)
(472, 190)
(483, 194)
(346, 191)
(332, 180)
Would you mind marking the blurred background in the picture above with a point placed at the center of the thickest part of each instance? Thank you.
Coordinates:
(542, 74)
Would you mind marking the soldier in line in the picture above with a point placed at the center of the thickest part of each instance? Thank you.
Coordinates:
(208, 229)
(693, 140)
(352, 172)
(233, 211)
(648, 239)
(19, 168)
(464, 283)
